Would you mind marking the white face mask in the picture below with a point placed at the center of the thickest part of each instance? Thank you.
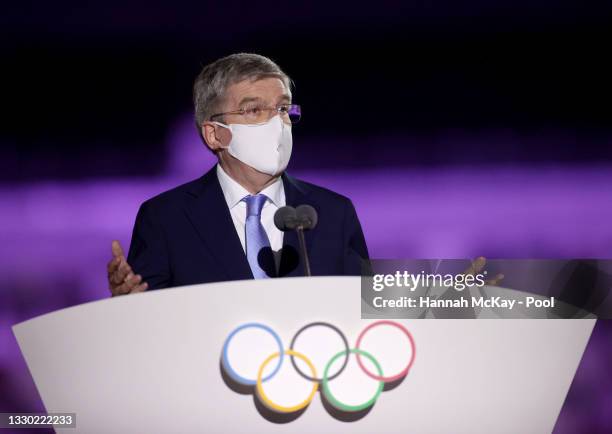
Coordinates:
(265, 147)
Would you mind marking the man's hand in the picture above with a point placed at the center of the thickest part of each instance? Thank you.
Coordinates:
(477, 266)
(121, 278)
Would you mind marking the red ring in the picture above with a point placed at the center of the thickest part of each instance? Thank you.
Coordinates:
(404, 372)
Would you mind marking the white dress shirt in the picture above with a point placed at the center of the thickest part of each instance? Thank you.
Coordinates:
(234, 193)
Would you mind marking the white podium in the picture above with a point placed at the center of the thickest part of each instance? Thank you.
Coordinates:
(154, 363)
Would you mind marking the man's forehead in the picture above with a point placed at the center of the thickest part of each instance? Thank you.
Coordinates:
(261, 89)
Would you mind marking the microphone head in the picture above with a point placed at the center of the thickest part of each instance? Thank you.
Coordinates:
(307, 216)
(285, 218)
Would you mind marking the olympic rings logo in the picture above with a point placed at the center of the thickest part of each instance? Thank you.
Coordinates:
(321, 378)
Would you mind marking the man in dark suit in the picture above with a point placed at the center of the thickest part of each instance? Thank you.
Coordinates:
(220, 227)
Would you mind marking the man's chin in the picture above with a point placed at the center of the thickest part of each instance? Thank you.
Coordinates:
(246, 167)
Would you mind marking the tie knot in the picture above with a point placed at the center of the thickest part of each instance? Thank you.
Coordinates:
(255, 204)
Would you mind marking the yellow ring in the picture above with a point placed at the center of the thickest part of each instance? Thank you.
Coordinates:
(281, 408)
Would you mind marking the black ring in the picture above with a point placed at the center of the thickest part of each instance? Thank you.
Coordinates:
(334, 328)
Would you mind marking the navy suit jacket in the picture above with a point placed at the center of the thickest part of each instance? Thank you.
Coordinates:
(186, 236)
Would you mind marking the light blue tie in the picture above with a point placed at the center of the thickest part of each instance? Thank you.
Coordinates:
(258, 249)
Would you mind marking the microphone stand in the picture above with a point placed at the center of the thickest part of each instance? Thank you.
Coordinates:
(300, 233)
(302, 219)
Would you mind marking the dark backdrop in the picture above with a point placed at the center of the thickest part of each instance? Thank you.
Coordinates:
(115, 76)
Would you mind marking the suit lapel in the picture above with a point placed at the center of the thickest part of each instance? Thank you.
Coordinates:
(210, 216)
(291, 264)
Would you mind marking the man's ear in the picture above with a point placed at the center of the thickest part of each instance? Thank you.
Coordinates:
(216, 137)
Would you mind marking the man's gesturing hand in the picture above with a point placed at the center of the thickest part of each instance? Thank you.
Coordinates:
(121, 278)
(478, 265)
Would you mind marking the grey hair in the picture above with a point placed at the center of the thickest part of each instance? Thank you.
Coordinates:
(211, 84)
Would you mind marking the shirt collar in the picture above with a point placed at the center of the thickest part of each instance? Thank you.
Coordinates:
(234, 192)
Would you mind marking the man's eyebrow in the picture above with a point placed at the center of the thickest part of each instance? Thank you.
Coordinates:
(247, 99)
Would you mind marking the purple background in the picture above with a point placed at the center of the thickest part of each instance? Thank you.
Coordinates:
(458, 129)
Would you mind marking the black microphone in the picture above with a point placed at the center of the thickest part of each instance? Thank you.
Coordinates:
(285, 218)
(300, 219)
(307, 216)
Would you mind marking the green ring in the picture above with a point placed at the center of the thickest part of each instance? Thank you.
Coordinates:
(340, 405)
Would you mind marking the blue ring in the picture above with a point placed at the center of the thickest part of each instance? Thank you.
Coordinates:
(228, 366)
